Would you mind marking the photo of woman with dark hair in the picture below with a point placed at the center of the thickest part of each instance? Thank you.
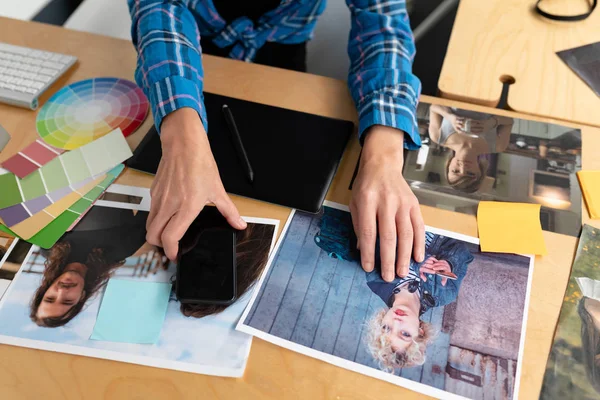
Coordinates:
(83, 260)
(470, 135)
(64, 288)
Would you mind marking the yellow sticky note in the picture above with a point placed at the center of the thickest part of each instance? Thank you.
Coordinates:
(590, 186)
(510, 228)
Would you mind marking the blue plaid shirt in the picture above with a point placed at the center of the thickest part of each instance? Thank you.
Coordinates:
(167, 33)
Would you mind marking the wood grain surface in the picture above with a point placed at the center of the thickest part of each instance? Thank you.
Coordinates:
(495, 39)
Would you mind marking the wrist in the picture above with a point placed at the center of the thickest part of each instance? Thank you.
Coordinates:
(180, 127)
(383, 143)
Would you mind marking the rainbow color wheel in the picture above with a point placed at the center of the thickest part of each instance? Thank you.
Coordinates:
(87, 110)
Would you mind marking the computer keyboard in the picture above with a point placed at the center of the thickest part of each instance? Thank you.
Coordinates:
(26, 73)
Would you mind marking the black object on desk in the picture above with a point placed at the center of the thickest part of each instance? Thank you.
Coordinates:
(294, 155)
(206, 262)
(237, 142)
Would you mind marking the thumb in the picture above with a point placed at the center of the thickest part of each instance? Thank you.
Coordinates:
(229, 211)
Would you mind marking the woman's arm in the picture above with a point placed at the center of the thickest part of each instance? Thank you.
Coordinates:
(167, 40)
(169, 66)
(436, 116)
(381, 49)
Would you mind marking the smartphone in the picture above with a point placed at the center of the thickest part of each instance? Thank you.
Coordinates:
(206, 263)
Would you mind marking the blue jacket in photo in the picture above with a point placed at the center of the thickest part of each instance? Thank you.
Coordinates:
(434, 294)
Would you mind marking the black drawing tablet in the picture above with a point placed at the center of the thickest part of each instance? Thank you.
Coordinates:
(294, 155)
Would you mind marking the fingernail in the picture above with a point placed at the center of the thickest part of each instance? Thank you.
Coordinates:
(242, 222)
(368, 266)
(388, 277)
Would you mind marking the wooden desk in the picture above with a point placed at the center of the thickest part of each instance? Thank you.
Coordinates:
(492, 39)
(272, 372)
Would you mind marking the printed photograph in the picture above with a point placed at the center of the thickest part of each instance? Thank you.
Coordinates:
(573, 368)
(453, 328)
(54, 300)
(12, 255)
(469, 156)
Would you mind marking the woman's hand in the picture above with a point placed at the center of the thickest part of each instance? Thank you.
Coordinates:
(458, 123)
(187, 179)
(382, 202)
(433, 266)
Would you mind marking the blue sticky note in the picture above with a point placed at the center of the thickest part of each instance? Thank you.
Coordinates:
(132, 311)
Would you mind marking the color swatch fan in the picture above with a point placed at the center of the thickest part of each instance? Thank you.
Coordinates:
(86, 110)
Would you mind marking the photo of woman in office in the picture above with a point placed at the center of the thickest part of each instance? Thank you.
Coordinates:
(397, 337)
(83, 260)
(470, 135)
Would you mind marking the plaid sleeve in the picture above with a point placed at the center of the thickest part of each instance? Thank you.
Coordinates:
(381, 49)
(169, 67)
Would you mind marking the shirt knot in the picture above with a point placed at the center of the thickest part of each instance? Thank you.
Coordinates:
(243, 36)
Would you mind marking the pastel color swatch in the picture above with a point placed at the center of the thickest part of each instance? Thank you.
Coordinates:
(29, 227)
(14, 214)
(87, 110)
(132, 311)
(66, 170)
(47, 237)
(31, 158)
(510, 228)
(590, 186)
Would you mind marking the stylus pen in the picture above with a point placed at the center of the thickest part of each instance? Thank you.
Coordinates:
(237, 140)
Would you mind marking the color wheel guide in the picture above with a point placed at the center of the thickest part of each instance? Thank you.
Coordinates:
(54, 180)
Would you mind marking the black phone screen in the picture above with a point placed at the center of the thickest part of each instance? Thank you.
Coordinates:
(206, 270)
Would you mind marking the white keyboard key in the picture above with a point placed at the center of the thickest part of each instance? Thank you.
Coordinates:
(45, 55)
(50, 64)
(10, 86)
(2, 69)
(9, 48)
(30, 91)
(37, 85)
(35, 69)
(20, 89)
(56, 58)
(27, 82)
(3, 78)
(47, 71)
(42, 78)
(66, 59)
